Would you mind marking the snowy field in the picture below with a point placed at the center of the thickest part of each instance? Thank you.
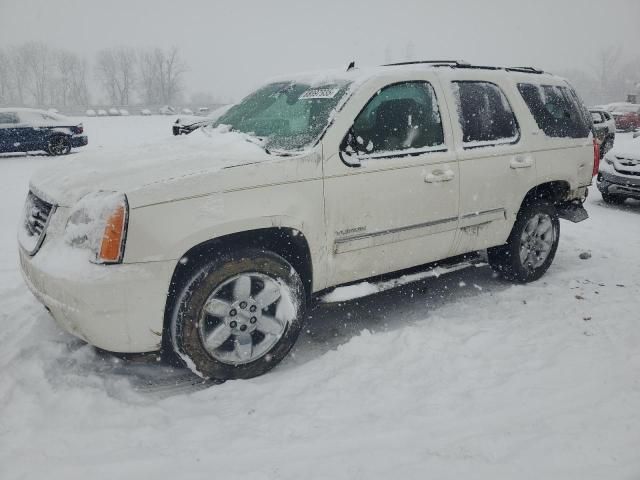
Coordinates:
(461, 376)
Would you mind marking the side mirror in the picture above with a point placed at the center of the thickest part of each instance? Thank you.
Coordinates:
(349, 149)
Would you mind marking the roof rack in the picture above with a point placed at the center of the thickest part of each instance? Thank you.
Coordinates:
(524, 69)
(463, 64)
(430, 62)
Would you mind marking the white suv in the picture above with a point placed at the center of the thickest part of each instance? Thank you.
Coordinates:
(212, 244)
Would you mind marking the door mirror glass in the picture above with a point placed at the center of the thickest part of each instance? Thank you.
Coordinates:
(350, 149)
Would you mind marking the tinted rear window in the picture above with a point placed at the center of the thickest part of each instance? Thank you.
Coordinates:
(486, 118)
(556, 109)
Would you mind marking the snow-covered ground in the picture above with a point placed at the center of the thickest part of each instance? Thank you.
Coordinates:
(459, 376)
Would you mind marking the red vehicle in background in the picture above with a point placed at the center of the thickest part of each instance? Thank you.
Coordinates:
(627, 117)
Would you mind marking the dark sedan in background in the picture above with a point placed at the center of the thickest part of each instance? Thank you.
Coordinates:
(28, 130)
(187, 124)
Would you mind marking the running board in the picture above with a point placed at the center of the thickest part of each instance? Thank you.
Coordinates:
(366, 288)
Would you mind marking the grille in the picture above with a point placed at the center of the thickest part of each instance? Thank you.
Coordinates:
(36, 219)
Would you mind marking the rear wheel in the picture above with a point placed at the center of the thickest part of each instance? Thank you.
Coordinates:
(239, 316)
(613, 199)
(531, 246)
(59, 145)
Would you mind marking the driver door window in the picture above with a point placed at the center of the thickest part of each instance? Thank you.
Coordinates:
(400, 118)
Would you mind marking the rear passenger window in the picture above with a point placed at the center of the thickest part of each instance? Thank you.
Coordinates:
(556, 109)
(485, 116)
(399, 117)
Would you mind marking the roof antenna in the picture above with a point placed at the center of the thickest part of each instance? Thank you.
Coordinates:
(351, 66)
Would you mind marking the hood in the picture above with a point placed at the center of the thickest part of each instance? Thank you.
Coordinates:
(128, 170)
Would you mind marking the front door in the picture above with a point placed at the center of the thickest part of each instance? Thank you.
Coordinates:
(391, 181)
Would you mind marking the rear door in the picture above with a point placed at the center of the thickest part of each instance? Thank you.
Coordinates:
(496, 167)
(391, 179)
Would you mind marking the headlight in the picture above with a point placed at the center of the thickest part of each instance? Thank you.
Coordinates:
(98, 223)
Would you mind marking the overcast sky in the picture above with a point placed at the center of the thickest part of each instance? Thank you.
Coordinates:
(232, 46)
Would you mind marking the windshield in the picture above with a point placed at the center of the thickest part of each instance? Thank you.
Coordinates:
(287, 115)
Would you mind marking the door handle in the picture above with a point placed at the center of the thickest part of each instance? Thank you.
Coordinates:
(439, 176)
(521, 161)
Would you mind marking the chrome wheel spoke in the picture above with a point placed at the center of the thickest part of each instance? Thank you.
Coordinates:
(243, 346)
(269, 294)
(218, 336)
(242, 287)
(544, 226)
(217, 307)
(270, 325)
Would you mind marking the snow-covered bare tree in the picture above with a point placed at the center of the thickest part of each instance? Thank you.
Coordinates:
(115, 69)
(33, 68)
(161, 75)
(71, 79)
(6, 88)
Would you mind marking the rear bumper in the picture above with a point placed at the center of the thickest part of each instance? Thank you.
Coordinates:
(119, 308)
(79, 141)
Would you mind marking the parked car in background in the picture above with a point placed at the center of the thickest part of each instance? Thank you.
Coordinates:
(114, 112)
(102, 113)
(213, 245)
(186, 125)
(619, 175)
(90, 113)
(186, 111)
(167, 110)
(604, 129)
(124, 112)
(145, 112)
(627, 117)
(27, 130)
(203, 110)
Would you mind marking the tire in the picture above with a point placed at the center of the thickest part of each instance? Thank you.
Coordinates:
(613, 199)
(528, 253)
(225, 327)
(59, 145)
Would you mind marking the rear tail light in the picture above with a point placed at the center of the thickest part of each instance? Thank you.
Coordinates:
(596, 158)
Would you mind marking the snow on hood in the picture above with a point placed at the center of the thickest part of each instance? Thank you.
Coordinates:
(131, 169)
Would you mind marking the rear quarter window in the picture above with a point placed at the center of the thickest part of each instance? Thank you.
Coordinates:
(556, 109)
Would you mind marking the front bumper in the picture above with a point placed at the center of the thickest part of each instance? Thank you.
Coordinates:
(79, 141)
(611, 182)
(119, 308)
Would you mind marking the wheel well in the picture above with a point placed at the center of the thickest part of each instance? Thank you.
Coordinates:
(554, 192)
(289, 243)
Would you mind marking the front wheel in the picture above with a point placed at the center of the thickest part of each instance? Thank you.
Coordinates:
(58, 145)
(239, 316)
(531, 246)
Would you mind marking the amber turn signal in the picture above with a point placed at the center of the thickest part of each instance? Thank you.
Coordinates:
(112, 247)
